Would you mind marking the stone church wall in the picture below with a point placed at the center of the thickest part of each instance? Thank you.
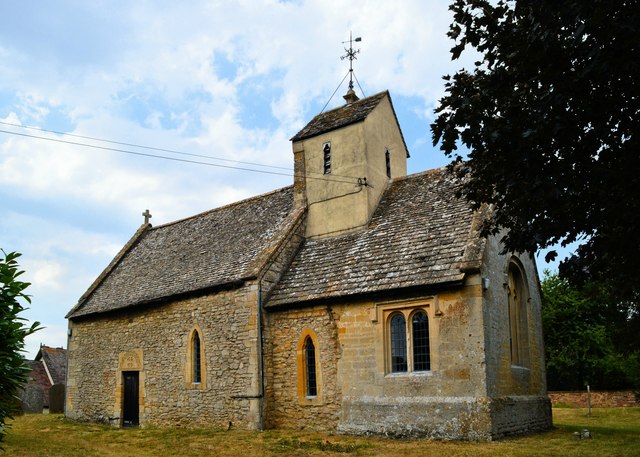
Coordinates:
(155, 341)
(286, 406)
(445, 402)
(360, 394)
(461, 397)
(519, 394)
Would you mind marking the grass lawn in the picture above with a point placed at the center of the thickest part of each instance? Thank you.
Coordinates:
(616, 432)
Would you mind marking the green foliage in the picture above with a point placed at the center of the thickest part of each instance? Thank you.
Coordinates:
(582, 328)
(551, 114)
(13, 370)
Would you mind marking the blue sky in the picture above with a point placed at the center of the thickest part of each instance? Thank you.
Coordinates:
(230, 80)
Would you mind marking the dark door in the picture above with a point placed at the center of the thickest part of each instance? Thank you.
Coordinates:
(130, 400)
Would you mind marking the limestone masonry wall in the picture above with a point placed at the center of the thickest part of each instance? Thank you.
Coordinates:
(155, 342)
(445, 402)
(503, 377)
(285, 406)
(357, 393)
(519, 402)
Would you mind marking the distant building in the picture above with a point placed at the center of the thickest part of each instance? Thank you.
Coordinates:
(359, 300)
(48, 369)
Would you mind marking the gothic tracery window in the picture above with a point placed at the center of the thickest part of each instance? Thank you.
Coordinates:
(517, 309)
(408, 341)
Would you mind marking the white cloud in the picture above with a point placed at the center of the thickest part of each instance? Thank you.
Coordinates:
(52, 335)
(233, 80)
(47, 274)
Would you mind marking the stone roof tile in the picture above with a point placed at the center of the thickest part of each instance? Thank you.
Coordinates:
(340, 117)
(418, 236)
(55, 360)
(209, 250)
(344, 116)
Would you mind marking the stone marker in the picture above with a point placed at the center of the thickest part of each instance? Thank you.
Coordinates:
(33, 399)
(56, 399)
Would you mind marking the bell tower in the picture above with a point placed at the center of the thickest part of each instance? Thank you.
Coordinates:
(343, 160)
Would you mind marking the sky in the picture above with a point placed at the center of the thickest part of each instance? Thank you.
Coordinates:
(90, 91)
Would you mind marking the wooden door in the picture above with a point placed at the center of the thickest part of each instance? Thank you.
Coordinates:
(130, 406)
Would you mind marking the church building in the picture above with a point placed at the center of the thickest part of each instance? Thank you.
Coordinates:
(358, 300)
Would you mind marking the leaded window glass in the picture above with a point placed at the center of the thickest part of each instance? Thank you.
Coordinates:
(420, 333)
(310, 366)
(398, 335)
(197, 367)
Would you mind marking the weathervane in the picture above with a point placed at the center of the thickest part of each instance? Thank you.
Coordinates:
(350, 96)
(351, 55)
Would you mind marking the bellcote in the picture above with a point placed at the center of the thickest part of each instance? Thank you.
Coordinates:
(343, 160)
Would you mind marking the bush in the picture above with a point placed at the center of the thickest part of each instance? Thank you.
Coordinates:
(13, 370)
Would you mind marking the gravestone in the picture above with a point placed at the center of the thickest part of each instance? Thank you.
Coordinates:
(33, 399)
(56, 399)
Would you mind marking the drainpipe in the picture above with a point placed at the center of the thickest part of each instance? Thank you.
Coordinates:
(66, 373)
(260, 358)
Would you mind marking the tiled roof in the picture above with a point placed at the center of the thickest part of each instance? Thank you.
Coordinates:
(205, 251)
(38, 374)
(340, 117)
(418, 236)
(55, 360)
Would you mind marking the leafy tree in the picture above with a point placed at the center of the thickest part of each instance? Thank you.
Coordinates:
(13, 370)
(551, 115)
(581, 336)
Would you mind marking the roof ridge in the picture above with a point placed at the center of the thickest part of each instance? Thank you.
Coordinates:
(49, 348)
(354, 103)
(354, 112)
(223, 207)
(418, 174)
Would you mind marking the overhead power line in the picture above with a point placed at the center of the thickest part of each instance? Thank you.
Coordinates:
(347, 179)
(151, 148)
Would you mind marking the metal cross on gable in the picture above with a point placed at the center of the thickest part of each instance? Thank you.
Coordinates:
(147, 215)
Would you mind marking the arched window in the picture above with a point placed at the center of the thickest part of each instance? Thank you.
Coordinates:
(420, 339)
(195, 364)
(310, 368)
(398, 334)
(518, 334)
(196, 361)
(407, 339)
(308, 356)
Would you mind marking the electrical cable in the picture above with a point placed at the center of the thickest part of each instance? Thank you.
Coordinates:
(142, 146)
(175, 159)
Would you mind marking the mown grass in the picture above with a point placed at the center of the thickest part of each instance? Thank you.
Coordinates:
(616, 432)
